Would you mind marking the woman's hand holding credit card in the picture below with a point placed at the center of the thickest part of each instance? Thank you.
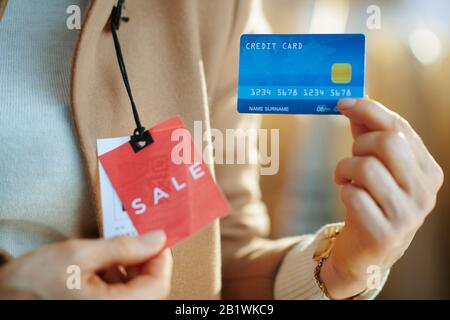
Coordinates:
(389, 186)
(389, 183)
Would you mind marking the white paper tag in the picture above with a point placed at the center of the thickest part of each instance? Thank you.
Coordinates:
(116, 221)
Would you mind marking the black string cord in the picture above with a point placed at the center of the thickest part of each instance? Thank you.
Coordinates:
(140, 137)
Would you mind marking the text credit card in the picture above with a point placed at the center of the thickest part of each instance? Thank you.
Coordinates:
(299, 73)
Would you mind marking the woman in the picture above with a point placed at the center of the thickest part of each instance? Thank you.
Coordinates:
(181, 58)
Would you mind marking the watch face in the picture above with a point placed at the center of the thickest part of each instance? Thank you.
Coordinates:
(322, 248)
(326, 244)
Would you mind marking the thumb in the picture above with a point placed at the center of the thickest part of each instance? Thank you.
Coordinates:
(124, 251)
(152, 282)
(367, 115)
(357, 126)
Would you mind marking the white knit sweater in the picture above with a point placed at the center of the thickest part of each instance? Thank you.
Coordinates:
(43, 194)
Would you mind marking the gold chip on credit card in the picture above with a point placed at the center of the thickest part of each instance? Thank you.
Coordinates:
(341, 73)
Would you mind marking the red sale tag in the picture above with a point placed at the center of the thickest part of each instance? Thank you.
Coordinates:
(159, 192)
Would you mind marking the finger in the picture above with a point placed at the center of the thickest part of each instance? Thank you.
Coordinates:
(119, 274)
(370, 174)
(113, 275)
(153, 282)
(369, 115)
(126, 251)
(363, 210)
(132, 271)
(158, 267)
(393, 150)
(356, 128)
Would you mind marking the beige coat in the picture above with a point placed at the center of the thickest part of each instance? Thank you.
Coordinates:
(181, 58)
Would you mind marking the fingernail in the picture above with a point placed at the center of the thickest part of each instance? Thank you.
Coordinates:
(154, 237)
(346, 103)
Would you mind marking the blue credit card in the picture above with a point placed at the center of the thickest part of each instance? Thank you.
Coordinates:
(299, 73)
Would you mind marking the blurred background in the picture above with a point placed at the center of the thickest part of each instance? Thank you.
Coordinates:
(408, 71)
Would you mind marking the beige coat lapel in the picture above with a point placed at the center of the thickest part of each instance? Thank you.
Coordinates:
(3, 4)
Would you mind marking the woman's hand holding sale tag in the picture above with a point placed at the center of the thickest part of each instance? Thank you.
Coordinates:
(119, 268)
